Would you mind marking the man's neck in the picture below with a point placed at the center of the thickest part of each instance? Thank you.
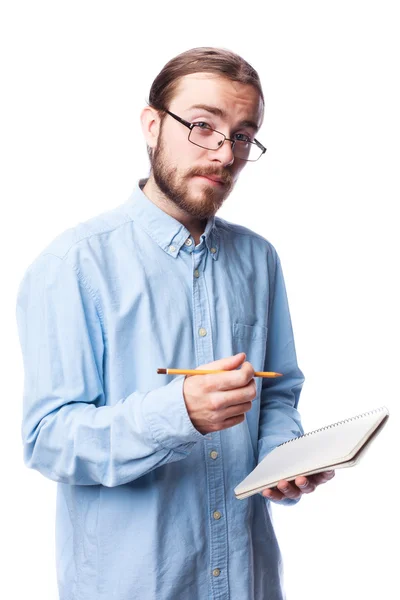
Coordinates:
(153, 193)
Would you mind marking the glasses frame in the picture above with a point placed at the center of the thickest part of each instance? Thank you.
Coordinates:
(191, 126)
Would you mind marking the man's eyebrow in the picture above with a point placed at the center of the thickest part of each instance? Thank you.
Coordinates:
(214, 110)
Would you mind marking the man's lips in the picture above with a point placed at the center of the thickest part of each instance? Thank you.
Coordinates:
(212, 178)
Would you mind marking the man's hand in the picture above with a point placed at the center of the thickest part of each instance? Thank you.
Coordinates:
(220, 400)
(301, 485)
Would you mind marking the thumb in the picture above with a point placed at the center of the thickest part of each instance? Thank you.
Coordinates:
(227, 364)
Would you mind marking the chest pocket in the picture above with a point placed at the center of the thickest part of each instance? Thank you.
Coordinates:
(251, 339)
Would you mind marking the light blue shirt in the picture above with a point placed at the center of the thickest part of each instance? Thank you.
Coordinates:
(145, 503)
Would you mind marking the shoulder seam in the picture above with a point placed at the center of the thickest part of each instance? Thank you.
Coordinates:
(100, 232)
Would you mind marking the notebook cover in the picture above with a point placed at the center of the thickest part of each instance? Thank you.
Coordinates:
(337, 445)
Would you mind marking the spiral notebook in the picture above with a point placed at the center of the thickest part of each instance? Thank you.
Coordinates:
(335, 446)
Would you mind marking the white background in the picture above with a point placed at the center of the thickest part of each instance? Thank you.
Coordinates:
(75, 76)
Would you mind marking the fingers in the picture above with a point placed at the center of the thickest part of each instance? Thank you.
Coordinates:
(310, 482)
(234, 411)
(301, 485)
(284, 489)
(231, 422)
(228, 416)
(306, 485)
(319, 478)
(243, 395)
(230, 362)
(231, 380)
(219, 400)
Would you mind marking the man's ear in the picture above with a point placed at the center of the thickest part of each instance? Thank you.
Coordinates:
(150, 120)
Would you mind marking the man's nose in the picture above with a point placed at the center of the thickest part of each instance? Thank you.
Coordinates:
(224, 154)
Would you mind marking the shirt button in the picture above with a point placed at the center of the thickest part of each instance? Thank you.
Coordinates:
(172, 248)
(217, 515)
(213, 250)
(216, 572)
(202, 332)
(188, 242)
(196, 273)
(213, 454)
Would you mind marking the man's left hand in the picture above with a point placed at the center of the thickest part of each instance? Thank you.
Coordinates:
(301, 485)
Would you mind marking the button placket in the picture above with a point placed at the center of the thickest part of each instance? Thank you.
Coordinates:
(212, 441)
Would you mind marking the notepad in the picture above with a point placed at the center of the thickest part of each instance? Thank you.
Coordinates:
(335, 446)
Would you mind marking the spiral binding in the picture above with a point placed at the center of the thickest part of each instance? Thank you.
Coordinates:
(361, 416)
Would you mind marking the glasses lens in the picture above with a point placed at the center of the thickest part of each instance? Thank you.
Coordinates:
(206, 137)
(247, 151)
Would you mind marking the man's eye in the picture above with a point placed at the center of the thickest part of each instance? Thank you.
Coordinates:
(202, 125)
(242, 137)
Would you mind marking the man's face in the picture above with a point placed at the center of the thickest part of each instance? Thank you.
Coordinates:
(179, 166)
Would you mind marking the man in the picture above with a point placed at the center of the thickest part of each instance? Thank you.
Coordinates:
(146, 464)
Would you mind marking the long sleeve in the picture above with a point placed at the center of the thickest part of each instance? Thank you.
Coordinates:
(69, 434)
(279, 418)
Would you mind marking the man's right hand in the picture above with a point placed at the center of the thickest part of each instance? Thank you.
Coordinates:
(220, 400)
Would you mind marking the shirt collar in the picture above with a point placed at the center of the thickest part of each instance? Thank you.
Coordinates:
(163, 229)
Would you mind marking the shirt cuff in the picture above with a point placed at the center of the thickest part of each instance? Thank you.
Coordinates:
(165, 413)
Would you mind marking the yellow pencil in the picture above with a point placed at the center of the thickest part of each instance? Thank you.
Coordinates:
(207, 371)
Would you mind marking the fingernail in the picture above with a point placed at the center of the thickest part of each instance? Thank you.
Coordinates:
(303, 485)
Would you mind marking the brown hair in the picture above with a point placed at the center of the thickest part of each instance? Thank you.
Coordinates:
(201, 60)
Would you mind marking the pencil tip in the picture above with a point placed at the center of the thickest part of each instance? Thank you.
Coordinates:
(162, 371)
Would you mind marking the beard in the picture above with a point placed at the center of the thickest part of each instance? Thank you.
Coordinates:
(175, 186)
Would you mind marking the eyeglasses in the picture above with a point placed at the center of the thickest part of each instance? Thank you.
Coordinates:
(201, 134)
